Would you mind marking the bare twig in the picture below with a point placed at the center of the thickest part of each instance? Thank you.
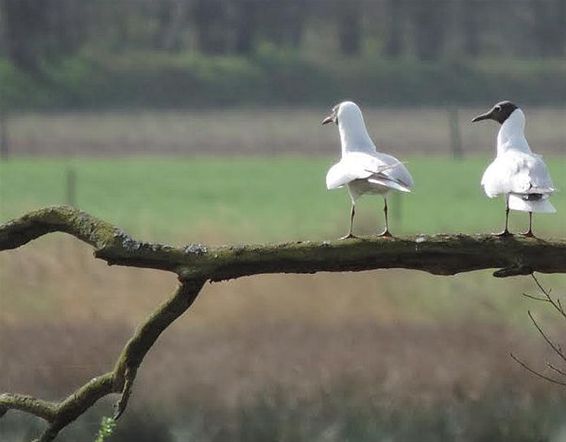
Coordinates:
(536, 373)
(536, 298)
(556, 369)
(555, 303)
(556, 348)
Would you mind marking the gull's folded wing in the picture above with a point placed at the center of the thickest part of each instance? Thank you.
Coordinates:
(396, 172)
(379, 169)
(517, 173)
(343, 173)
(354, 166)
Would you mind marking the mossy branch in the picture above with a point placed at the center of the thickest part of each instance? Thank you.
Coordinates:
(195, 264)
(437, 254)
(120, 380)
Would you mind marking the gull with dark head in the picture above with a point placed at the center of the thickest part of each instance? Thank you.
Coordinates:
(517, 173)
(362, 169)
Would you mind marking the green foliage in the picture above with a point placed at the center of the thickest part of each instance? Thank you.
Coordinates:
(347, 415)
(274, 76)
(107, 427)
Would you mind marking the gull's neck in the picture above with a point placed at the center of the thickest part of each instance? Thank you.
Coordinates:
(512, 134)
(354, 136)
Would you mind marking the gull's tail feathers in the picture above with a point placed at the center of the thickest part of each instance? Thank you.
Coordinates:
(542, 205)
(388, 182)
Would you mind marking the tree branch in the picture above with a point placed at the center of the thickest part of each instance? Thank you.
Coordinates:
(436, 254)
(120, 380)
(196, 263)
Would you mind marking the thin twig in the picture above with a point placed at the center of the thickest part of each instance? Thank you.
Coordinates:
(556, 369)
(536, 373)
(556, 304)
(536, 298)
(552, 345)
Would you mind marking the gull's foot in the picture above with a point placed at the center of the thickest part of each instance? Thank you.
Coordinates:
(348, 236)
(505, 234)
(386, 234)
(528, 234)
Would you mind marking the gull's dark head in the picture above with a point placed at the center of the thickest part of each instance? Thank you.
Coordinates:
(333, 117)
(500, 112)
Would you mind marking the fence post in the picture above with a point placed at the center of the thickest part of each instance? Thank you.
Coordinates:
(396, 208)
(4, 147)
(455, 134)
(71, 190)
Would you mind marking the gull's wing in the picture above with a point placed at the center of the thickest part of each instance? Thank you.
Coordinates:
(347, 170)
(397, 172)
(377, 168)
(517, 173)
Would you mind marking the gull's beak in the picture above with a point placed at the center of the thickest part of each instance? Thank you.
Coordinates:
(486, 116)
(330, 119)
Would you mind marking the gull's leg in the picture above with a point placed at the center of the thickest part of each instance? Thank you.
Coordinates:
(386, 232)
(352, 213)
(529, 233)
(506, 230)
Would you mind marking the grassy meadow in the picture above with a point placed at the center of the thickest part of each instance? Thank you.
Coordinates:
(260, 198)
(386, 355)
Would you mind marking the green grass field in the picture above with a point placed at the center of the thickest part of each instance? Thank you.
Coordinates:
(261, 198)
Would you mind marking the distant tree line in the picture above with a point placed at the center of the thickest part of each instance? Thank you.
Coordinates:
(36, 31)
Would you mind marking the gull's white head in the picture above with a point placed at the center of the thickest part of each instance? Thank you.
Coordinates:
(353, 133)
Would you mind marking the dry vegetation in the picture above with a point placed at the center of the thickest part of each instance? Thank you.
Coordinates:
(261, 131)
(294, 341)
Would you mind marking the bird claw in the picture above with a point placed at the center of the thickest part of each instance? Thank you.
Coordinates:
(505, 234)
(385, 234)
(528, 234)
(348, 236)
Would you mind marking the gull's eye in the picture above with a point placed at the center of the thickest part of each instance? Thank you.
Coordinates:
(498, 108)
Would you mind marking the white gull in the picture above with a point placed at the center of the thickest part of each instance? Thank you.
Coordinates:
(362, 169)
(517, 173)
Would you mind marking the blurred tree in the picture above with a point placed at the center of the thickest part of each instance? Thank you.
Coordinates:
(283, 21)
(25, 24)
(548, 26)
(296, 17)
(246, 26)
(209, 18)
(393, 47)
(429, 26)
(171, 17)
(469, 13)
(349, 19)
(35, 31)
